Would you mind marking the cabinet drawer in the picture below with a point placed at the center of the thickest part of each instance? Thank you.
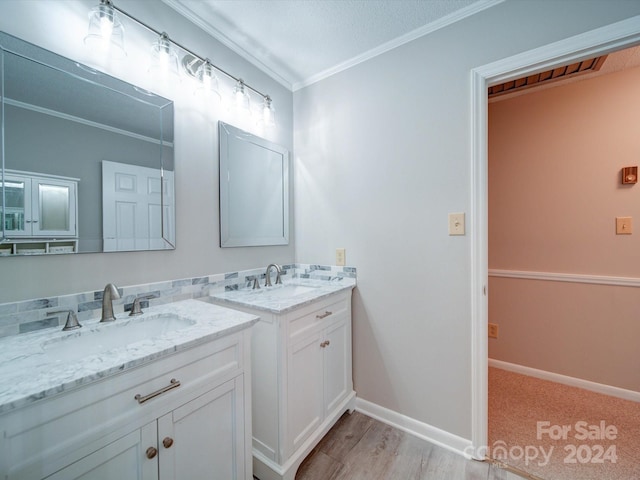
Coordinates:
(321, 315)
(57, 431)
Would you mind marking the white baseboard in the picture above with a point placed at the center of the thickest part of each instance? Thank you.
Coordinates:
(422, 430)
(566, 380)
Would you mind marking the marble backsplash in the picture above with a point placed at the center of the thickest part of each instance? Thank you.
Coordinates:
(29, 315)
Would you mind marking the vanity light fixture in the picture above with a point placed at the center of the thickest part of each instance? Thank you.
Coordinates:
(106, 33)
(104, 20)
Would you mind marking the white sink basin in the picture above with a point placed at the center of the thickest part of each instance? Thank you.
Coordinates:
(103, 337)
(286, 291)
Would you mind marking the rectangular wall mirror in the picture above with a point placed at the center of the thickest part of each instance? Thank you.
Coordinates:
(87, 159)
(254, 190)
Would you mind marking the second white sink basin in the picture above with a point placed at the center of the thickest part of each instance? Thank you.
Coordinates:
(106, 336)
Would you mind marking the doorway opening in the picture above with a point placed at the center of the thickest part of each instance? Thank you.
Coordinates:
(575, 49)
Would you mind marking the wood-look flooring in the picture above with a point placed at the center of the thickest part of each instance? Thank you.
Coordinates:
(359, 447)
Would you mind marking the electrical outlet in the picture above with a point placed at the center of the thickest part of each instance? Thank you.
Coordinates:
(341, 257)
(456, 224)
(493, 330)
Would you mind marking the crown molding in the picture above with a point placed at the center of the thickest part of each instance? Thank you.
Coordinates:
(401, 40)
(385, 47)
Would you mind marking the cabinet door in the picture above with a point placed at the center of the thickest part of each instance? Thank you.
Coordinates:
(17, 210)
(53, 208)
(204, 439)
(337, 364)
(305, 409)
(123, 459)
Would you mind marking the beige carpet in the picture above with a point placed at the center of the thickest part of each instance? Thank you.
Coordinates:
(557, 449)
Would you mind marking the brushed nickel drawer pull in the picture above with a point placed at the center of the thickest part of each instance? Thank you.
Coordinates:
(173, 384)
(324, 315)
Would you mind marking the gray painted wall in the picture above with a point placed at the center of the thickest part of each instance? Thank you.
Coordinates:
(382, 155)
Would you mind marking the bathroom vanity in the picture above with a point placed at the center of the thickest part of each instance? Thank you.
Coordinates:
(301, 368)
(173, 402)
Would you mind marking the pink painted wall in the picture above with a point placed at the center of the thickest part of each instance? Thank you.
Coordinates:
(554, 191)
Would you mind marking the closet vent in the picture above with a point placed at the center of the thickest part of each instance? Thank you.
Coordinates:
(554, 75)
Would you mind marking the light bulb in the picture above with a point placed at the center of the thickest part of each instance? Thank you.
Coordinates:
(207, 76)
(164, 52)
(268, 114)
(208, 88)
(106, 27)
(241, 96)
(164, 57)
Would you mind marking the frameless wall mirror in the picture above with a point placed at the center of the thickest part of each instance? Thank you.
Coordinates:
(86, 159)
(254, 190)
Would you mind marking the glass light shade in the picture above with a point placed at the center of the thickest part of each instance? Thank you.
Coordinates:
(208, 87)
(164, 59)
(106, 33)
(268, 112)
(241, 98)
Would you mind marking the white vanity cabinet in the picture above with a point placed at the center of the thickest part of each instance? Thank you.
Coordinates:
(319, 373)
(302, 381)
(199, 428)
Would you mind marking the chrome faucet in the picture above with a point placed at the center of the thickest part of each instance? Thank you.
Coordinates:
(267, 281)
(110, 293)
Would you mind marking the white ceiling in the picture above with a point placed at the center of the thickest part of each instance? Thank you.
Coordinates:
(298, 42)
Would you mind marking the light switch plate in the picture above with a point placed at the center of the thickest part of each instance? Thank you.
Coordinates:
(624, 225)
(341, 257)
(456, 224)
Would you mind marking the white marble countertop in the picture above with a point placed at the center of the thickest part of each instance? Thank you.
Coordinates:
(272, 299)
(29, 372)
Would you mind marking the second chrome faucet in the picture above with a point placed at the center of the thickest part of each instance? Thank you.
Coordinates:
(110, 293)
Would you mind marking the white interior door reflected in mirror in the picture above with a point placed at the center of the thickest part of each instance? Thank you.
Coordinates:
(137, 205)
(254, 190)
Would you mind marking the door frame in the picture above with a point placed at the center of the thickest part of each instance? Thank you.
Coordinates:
(596, 42)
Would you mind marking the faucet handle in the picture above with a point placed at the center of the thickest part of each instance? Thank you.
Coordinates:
(256, 284)
(72, 320)
(136, 308)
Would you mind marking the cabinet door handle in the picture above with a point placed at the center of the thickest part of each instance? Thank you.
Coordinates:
(151, 452)
(172, 384)
(167, 442)
(324, 315)
(325, 344)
